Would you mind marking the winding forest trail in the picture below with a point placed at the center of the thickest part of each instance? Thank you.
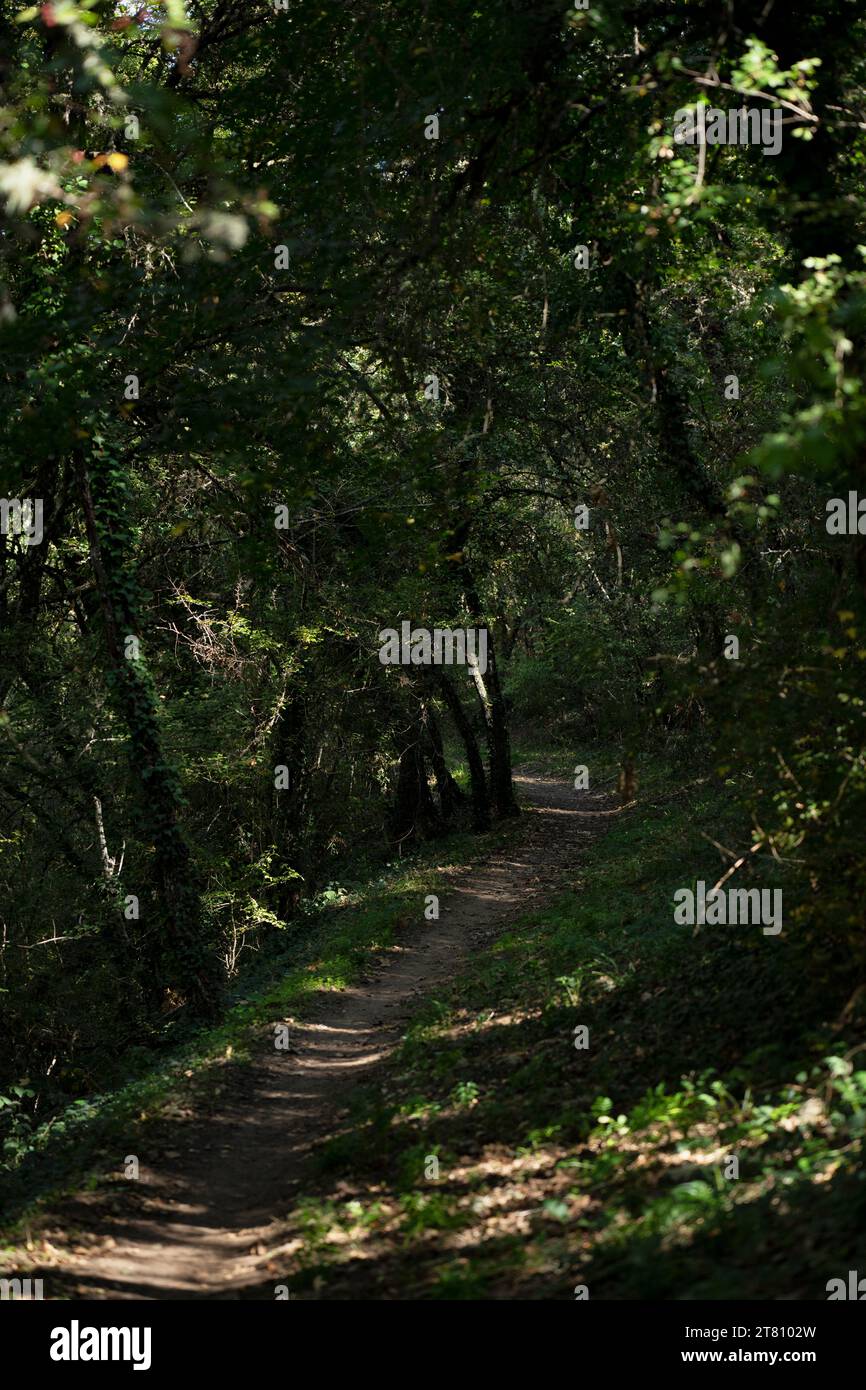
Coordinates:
(204, 1218)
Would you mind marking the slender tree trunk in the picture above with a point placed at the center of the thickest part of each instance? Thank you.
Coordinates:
(478, 781)
(451, 797)
(491, 697)
(495, 714)
(454, 543)
(287, 803)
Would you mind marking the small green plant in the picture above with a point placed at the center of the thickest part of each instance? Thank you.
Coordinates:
(465, 1094)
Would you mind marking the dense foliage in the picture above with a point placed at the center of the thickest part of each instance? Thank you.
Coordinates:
(289, 361)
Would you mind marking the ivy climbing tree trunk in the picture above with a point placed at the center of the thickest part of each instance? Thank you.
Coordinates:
(175, 953)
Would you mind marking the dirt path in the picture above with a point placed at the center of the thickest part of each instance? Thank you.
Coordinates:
(199, 1222)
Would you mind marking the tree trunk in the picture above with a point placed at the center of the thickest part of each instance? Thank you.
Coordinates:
(451, 798)
(498, 741)
(478, 782)
(287, 803)
(175, 952)
(414, 815)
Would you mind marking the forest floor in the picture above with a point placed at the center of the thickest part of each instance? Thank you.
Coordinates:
(441, 1127)
(206, 1216)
